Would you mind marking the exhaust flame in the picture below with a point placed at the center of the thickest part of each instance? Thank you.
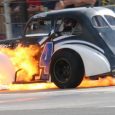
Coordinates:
(108, 81)
(86, 83)
(26, 59)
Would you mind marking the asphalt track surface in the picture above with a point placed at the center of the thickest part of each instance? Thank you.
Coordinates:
(87, 101)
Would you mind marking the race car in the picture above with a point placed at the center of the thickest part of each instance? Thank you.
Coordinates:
(76, 42)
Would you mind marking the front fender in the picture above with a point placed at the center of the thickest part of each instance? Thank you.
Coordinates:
(95, 62)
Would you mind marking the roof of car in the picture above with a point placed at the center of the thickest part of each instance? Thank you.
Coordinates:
(90, 11)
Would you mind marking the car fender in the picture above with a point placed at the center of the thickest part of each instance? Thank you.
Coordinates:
(94, 61)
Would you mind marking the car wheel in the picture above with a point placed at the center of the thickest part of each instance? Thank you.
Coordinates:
(66, 69)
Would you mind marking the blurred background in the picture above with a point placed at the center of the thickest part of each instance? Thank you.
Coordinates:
(15, 13)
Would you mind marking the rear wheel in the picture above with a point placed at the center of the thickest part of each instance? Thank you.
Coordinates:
(66, 69)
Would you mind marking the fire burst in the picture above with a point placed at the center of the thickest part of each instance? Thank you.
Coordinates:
(26, 59)
(23, 58)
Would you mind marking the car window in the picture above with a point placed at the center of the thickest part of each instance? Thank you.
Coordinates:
(67, 26)
(110, 19)
(77, 29)
(59, 25)
(98, 21)
(38, 26)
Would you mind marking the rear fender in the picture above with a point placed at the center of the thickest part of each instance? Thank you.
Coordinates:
(94, 61)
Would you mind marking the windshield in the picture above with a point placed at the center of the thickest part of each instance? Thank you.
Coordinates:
(38, 26)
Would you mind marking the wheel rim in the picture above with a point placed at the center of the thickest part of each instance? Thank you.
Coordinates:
(62, 70)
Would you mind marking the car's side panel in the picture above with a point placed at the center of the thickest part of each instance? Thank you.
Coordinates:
(95, 62)
(45, 57)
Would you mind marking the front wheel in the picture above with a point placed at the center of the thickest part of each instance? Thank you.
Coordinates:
(66, 69)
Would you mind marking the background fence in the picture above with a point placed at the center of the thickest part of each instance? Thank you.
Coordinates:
(12, 22)
(2, 23)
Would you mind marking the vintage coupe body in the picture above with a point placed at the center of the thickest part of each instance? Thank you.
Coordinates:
(76, 42)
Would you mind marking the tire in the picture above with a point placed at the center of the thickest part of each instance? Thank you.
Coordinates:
(66, 69)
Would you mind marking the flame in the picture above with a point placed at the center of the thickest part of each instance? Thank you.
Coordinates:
(86, 83)
(107, 81)
(26, 59)
(23, 58)
(35, 86)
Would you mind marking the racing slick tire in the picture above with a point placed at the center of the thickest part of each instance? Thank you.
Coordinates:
(66, 69)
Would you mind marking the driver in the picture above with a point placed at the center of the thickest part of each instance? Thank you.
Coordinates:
(69, 25)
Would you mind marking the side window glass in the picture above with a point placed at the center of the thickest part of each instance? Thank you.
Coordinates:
(59, 25)
(37, 26)
(67, 26)
(99, 22)
(77, 29)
